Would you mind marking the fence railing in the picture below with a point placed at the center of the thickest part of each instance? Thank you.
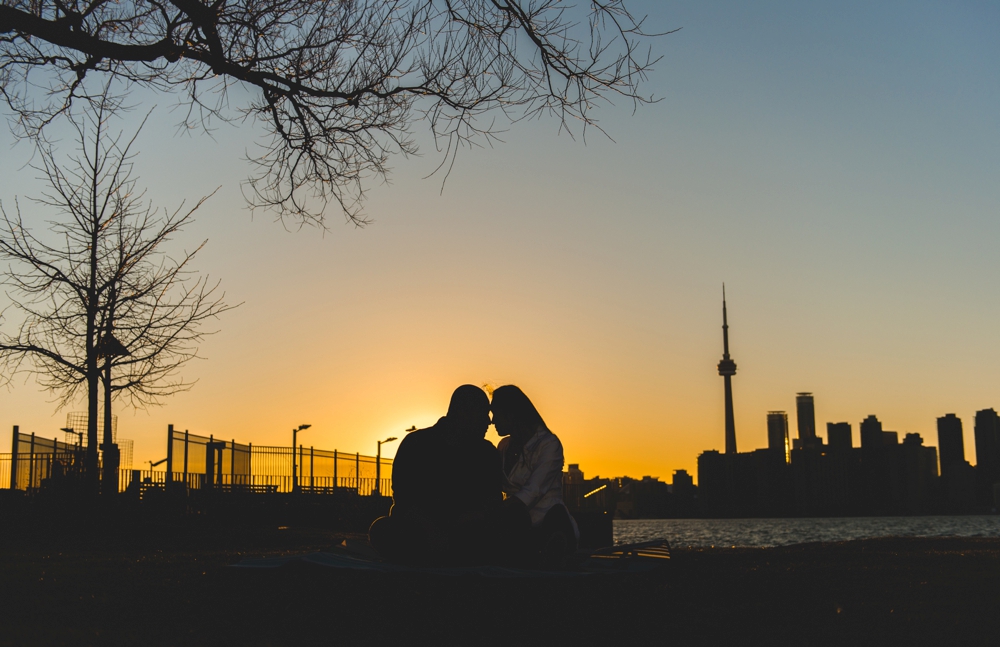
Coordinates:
(146, 479)
(197, 462)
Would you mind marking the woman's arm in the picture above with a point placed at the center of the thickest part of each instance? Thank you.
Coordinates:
(546, 470)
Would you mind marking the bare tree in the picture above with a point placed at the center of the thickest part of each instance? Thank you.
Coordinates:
(100, 299)
(337, 85)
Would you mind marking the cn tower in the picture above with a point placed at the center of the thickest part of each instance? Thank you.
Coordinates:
(727, 369)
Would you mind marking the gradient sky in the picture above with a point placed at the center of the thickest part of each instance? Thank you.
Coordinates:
(836, 166)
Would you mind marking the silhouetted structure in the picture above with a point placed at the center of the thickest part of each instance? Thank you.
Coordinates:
(950, 442)
(838, 436)
(883, 477)
(683, 497)
(727, 369)
(629, 498)
(777, 433)
(753, 484)
(805, 414)
(958, 477)
(987, 455)
(871, 433)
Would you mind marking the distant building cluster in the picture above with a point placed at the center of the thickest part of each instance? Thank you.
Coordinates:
(882, 476)
(630, 498)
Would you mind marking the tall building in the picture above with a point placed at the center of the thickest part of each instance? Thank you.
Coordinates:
(958, 478)
(987, 454)
(838, 435)
(727, 369)
(777, 433)
(987, 445)
(805, 412)
(871, 433)
(951, 445)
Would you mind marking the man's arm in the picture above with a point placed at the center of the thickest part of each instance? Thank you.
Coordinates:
(405, 473)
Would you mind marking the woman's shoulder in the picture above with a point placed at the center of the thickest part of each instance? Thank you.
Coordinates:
(549, 440)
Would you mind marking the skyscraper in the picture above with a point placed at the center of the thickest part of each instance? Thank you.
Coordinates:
(950, 442)
(806, 417)
(838, 435)
(727, 369)
(871, 433)
(987, 454)
(777, 432)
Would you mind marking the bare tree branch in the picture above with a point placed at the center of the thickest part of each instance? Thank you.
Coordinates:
(338, 84)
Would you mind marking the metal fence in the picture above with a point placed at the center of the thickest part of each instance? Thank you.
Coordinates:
(196, 462)
(35, 459)
(320, 469)
(214, 462)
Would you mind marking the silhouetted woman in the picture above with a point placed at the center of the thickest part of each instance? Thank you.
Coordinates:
(532, 459)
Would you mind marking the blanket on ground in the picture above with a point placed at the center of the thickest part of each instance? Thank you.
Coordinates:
(631, 558)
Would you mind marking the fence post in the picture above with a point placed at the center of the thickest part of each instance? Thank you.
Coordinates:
(312, 483)
(31, 462)
(232, 462)
(357, 472)
(170, 455)
(13, 458)
(335, 483)
(250, 462)
(185, 457)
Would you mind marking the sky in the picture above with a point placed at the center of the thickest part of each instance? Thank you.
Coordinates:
(834, 165)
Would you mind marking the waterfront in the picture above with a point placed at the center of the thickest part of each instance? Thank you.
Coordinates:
(707, 533)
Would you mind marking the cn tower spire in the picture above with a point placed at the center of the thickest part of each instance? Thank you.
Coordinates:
(727, 369)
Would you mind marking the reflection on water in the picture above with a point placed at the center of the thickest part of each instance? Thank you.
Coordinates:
(782, 532)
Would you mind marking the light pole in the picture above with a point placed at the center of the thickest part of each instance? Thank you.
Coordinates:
(70, 430)
(295, 448)
(108, 348)
(378, 464)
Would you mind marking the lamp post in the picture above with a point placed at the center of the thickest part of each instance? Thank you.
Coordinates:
(70, 430)
(108, 348)
(295, 448)
(378, 464)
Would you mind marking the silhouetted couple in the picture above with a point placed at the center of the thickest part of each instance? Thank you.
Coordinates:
(457, 499)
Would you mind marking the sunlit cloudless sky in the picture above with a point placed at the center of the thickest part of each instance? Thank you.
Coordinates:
(835, 165)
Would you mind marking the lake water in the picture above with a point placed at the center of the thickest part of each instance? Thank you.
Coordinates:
(783, 532)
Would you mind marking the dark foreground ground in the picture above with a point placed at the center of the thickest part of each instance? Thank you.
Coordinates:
(168, 584)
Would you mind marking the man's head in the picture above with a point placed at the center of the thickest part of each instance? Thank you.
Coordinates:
(469, 411)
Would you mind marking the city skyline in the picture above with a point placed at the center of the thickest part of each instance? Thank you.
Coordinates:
(834, 165)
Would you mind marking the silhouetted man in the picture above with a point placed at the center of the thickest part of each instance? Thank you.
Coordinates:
(446, 483)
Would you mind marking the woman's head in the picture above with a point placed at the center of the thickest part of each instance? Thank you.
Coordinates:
(513, 412)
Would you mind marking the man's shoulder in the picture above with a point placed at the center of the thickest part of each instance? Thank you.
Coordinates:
(425, 435)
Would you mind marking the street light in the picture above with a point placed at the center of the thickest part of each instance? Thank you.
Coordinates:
(295, 447)
(70, 430)
(378, 464)
(108, 348)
